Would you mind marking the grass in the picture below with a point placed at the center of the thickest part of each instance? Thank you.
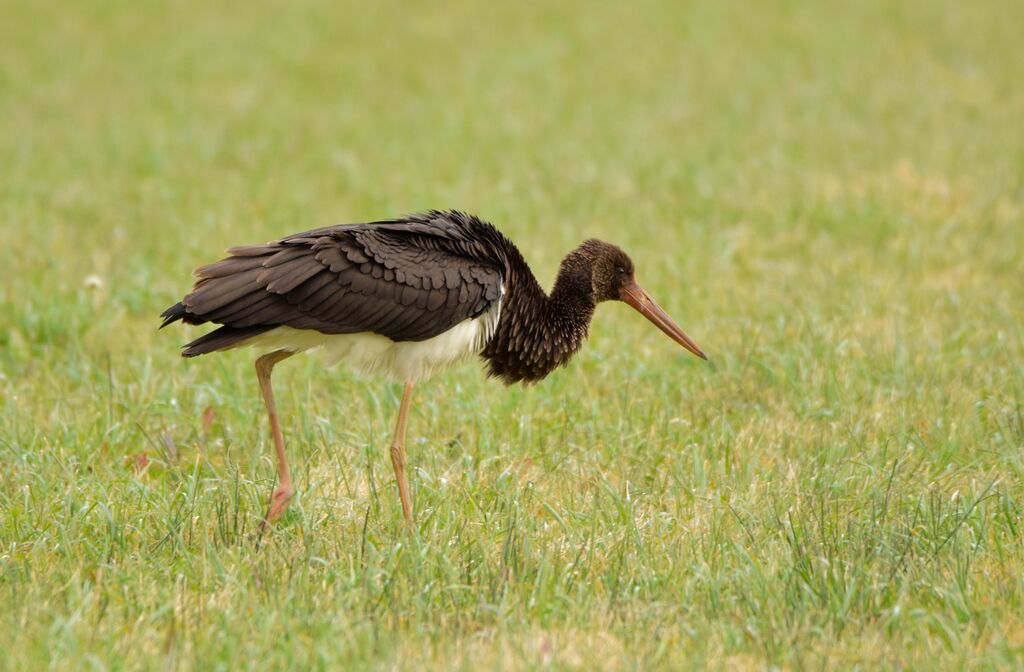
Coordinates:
(828, 197)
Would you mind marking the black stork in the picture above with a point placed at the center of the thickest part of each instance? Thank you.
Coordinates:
(405, 298)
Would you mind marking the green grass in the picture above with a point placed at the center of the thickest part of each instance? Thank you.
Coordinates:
(829, 197)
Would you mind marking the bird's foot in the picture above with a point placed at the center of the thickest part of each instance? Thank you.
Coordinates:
(279, 501)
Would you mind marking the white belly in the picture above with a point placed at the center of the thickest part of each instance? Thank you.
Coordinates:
(372, 354)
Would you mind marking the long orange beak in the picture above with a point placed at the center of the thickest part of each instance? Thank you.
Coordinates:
(634, 295)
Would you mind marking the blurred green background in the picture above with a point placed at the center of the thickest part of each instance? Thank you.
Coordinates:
(827, 196)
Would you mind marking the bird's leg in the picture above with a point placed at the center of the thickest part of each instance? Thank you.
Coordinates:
(282, 495)
(398, 454)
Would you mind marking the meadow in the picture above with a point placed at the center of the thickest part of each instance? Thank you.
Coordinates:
(829, 197)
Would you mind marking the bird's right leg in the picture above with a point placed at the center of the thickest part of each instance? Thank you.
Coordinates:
(398, 455)
(282, 495)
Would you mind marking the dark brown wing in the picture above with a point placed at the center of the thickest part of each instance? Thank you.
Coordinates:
(408, 280)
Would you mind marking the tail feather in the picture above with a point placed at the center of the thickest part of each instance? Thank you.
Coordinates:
(222, 339)
(174, 313)
(218, 339)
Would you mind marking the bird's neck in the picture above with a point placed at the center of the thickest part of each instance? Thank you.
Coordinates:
(537, 332)
(570, 306)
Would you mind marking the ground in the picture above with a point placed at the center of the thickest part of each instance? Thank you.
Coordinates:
(827, 196)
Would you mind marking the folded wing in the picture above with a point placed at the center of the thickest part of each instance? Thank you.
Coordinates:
(408, 281)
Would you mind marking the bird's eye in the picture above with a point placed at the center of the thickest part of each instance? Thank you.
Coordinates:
(621, 270)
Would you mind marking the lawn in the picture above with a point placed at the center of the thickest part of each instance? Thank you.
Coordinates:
(829, 197)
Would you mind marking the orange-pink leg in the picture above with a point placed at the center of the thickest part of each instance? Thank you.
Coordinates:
(282, 495)
(398, 454)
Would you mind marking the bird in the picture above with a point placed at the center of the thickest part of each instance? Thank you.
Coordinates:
(403, 299)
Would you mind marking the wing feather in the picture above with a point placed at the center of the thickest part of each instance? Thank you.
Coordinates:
(286, 277)
(405, 279)
(301, 293)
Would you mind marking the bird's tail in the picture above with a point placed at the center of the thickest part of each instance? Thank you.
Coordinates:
(223, 338)
(218, 339)
(173, 314)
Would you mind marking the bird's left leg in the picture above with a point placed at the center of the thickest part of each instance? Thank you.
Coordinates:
(398, 454)
(282, 495)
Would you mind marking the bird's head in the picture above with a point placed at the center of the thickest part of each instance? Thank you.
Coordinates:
(611, 277)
